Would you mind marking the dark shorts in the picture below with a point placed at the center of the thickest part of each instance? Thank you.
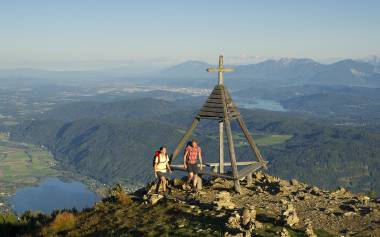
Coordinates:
(161, 174)
(192, 168)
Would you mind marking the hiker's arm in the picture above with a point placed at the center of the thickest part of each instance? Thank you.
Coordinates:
(184, 159)
(168, 167)
(200, 158)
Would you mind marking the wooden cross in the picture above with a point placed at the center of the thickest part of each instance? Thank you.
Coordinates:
(220, 70)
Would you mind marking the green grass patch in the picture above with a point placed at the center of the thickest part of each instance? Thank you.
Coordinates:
(23, 165)
(273, 140)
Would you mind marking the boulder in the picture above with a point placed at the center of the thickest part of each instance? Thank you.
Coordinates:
(284, 233)
(309, 230)
(289, 216)
(294, 182)
(154, 198)
(243, 223)
(223, 200)
(364, 200)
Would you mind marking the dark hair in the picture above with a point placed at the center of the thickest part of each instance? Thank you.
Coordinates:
(194, 141)
(161, 148)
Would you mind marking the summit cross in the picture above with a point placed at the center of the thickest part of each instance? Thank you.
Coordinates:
(221, 69)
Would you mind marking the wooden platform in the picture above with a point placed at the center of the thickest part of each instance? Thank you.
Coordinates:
(254, 166)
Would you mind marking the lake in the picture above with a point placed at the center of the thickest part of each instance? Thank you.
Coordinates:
(52, 194)
(259, 104)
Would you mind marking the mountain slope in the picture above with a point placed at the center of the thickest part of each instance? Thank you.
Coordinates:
(126, 109)
(267, 207)
(120, 150)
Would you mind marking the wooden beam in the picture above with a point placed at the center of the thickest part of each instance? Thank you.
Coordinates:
(221, 147)
(238, 163)
(184, 138)
(249, 170)
(243, 173)
(250, 139)
(249, 179)
(246, 133)
(230, 142)
(208, 109)
(211, 114)
(181, 168)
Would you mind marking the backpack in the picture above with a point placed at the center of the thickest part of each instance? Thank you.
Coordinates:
(157, 154)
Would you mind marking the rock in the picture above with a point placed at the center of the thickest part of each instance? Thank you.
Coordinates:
(233, 235)
(258, 175)
(284, 233)
(315, 191)
(347, 207)
(364, 200)
(309, 230)
(259, 225)
(350, 213)
(294, 182)
(223, 200)
(154, 198)
(177, 183)
(234, 221)
(151, 188)
(244, 222)
(340, 193)
(290, 216)
(186, 187)
(259, 189)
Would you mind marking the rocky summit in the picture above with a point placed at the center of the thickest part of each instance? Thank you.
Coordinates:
(268, 206)
(294, 207)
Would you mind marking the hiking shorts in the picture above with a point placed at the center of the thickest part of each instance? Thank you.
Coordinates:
(161, 174)
(192, 168)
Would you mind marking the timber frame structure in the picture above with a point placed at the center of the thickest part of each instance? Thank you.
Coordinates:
(219, 106)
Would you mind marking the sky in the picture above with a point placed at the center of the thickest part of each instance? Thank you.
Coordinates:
(84, 34)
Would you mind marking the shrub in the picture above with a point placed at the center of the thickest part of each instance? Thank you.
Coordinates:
(62, 222)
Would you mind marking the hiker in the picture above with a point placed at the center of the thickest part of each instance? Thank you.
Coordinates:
(161, 165)
(190, 161)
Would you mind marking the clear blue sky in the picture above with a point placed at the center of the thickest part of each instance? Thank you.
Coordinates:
(108, 33)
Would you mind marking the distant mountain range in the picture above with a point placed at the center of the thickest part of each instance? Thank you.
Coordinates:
(282, 72)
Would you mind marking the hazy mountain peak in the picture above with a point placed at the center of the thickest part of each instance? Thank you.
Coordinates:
(295, 61)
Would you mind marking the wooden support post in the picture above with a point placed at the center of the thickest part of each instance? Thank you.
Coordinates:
(199, 183)
(230, 142)
(184, 138)
(249, 179)
(221, 147)
(250, 139)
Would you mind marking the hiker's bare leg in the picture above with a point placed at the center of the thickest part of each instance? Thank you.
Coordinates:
(158, 186)
(191, 175)
(195, 181)
(163, 181)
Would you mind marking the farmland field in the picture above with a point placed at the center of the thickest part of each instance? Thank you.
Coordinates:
(262, 139)
(23, 164)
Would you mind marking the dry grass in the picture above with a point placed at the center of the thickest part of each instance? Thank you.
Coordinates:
(63, 222)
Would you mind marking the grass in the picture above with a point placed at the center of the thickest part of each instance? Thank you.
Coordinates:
(262, 140)
(22, 165)
(9, 123)
(273, 140)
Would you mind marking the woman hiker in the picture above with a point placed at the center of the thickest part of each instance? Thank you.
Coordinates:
(161, 165)
(190, 161)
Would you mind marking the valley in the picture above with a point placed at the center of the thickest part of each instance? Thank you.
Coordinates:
(105, 132)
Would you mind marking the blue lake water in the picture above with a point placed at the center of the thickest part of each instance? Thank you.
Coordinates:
(53, 194)
(260, 104)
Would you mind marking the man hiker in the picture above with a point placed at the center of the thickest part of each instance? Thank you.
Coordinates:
(193, 153)
(161, 165)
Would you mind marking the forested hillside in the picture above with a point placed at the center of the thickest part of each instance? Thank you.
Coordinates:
(120, 149)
